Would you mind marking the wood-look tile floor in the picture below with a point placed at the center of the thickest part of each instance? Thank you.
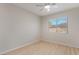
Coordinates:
(45, 48)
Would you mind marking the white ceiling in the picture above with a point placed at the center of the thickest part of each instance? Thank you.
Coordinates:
(36, 10)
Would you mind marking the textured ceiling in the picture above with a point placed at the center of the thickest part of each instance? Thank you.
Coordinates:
(36, 9)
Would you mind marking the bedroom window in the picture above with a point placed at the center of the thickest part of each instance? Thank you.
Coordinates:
(58, 25)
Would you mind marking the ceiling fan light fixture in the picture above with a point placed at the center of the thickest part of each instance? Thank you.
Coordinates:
(48, 10)
(47, 7)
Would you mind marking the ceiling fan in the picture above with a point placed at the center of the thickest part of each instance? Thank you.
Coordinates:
(46, 6)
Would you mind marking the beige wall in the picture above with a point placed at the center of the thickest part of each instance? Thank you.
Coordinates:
(17, 27)
(72, 37)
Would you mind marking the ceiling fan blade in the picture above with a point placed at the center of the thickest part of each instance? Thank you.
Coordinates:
(42, 9)
(53, 3)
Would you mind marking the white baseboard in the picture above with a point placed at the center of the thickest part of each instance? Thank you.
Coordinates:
(61, 43)
(31, 42)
